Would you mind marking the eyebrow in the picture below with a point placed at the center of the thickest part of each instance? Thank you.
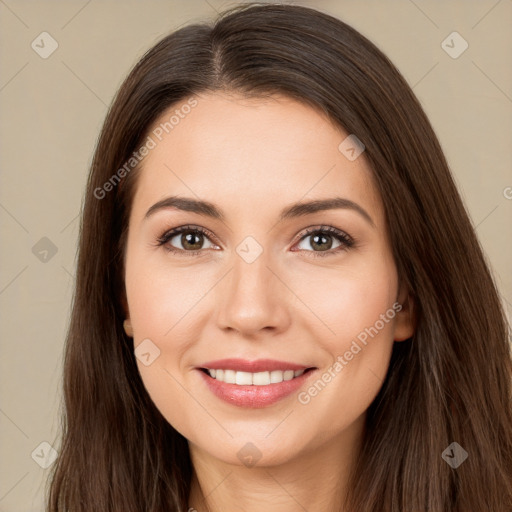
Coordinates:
(299, 209)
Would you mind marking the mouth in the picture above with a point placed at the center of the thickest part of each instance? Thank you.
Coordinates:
(263, 378)
(254, 384)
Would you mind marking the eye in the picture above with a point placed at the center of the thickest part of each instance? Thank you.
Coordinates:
(189, 239)
(322, 241)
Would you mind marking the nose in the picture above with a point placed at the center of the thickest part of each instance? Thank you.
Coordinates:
(253, 298)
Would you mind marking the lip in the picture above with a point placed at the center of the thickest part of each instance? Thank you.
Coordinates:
(260, 365)
(255, 397)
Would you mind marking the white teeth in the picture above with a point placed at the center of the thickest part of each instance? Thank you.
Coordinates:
(230, 376)
(255, 379)
(261, 379)
(243, 378)
(276, 376)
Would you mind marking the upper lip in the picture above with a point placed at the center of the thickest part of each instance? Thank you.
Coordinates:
(260, 365)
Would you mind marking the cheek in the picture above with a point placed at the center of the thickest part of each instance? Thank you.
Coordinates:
(163, 301)
(165, 307)
(359, 309)
(346, 300)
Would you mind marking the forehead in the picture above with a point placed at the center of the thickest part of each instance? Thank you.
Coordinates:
(250, 154)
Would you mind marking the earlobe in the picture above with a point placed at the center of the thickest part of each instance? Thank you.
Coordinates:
(405, 318)
(127, 326)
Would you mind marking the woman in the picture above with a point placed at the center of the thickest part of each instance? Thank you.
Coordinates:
(280, 302)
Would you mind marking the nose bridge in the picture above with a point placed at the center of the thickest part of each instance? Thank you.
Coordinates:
(252, 298)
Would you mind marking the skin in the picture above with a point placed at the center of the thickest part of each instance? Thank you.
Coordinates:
(252, 158)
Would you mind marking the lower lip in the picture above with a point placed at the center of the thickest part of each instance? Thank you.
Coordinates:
(254, 396)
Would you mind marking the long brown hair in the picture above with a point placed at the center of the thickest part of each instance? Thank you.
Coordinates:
(451, 382)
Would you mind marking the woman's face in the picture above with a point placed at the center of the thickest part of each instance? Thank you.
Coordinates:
(260, 280)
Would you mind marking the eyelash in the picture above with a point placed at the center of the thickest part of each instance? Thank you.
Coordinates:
(346, 242)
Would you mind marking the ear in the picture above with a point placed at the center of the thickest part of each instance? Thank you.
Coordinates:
(128, 329)
(127, 324)
(405, 319)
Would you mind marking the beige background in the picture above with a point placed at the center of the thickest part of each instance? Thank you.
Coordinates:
(52, 110)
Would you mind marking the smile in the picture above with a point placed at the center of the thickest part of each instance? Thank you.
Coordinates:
(253, 384)
(253, 379)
